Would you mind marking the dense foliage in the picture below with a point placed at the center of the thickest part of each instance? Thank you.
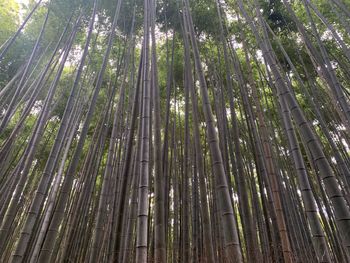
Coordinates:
(174, 131)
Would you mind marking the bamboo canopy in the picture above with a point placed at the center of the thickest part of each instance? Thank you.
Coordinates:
(175, 131)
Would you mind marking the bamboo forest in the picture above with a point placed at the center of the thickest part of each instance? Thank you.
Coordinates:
(178, 131)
